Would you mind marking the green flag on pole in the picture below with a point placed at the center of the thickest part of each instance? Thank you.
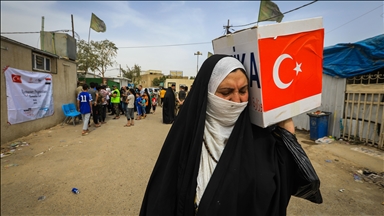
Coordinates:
(97, 24)
(269, 11)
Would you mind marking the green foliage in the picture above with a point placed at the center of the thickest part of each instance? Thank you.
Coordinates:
(157, 81)
(96, 56)
(133, 74)
(192, 77)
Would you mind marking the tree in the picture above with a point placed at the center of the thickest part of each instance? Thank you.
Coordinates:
(192, 77)
(96, 56)
(157, 81)
(133, 74)
(84, 53)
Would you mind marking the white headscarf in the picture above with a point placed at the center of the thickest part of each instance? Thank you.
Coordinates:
(220, 119)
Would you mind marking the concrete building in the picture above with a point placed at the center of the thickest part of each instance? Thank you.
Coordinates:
(179, 82)
(21, 56)
(108, 80)
(148, 76)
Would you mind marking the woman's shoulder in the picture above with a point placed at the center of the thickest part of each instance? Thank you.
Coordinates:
(262, 133)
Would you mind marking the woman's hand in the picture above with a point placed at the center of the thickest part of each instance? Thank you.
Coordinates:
(287, 125)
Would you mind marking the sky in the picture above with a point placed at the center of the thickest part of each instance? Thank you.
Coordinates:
(165, 35)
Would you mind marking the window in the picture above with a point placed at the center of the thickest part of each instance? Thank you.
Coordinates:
(171, 83)
(41, 63)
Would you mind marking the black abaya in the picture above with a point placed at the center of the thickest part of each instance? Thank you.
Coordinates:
(169, 106)
(254, 176)
(148, 108)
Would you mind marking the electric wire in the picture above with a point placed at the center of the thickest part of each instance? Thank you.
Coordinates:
(223, 33)
(277, 15)
(168, 45)
(188, 44)
(354, 19)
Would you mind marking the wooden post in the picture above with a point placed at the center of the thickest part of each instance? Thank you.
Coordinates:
(42, 34)
(73, 28)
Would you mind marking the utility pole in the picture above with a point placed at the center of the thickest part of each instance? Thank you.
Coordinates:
(197, 66)
(227, 28)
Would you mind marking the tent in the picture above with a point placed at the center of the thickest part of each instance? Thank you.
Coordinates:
(346, 60)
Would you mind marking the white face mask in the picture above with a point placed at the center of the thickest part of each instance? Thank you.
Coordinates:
(224, 112)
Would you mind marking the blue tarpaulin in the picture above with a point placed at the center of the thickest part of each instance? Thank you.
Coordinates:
(352, 59)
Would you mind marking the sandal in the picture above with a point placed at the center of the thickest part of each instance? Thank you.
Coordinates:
(127, 125)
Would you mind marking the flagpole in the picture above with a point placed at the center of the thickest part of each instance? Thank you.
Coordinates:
(89, 36)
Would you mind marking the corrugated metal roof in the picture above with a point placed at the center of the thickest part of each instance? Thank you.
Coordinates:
(29, 47)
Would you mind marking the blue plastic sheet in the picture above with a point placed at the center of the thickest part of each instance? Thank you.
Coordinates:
(352, 59)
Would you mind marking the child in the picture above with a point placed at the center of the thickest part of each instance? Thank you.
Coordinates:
(154, 103)
(84, 105)
(143, 102)
(130, 108)
(138, 105)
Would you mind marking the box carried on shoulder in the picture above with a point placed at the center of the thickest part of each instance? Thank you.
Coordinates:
(284, 65)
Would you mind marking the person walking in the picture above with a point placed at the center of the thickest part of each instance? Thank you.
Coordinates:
(84, 106)
(100, 99)
(138, 105)
(79, 89)
(109, 105)
(103, 111)
(148, 101)
(169, 106)
(154, 103)
(162, 94)
(115, 100)
(144, 101)
(123, 99)
(214, 161)
(130, 108)
(180, 98)
(94, 93)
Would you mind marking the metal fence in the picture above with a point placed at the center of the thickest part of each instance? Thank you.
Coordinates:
(364, 109)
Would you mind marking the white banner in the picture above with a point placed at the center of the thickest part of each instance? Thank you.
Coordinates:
(29, 95)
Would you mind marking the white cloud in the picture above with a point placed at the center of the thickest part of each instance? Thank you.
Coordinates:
(134, 23)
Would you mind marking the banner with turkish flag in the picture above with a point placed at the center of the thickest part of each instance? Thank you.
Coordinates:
(29, 95)
(291, 67)
(284, 65)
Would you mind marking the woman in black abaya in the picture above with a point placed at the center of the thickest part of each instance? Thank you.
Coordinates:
(214, 161)
(148, 107)
(169, 106)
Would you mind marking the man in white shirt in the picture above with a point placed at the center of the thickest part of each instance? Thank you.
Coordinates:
(109, 106)
(141, 89)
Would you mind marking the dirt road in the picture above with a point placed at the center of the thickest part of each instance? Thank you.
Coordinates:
(112, 164)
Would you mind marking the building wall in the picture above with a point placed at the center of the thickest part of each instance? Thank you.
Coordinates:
(178, 82)
(146, 79)
(63, 81)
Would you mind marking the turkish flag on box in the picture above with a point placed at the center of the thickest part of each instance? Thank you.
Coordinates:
(284, 66)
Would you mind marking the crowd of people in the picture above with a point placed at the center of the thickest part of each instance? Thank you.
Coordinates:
(95, 101)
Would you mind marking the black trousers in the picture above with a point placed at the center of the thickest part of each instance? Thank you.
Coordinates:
(103, 112)
(95, 114)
